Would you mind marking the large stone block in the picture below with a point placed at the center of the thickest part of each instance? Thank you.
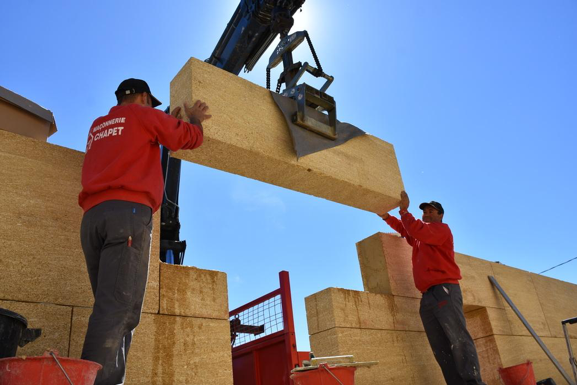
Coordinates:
(386, 266)
(489, 360)
(475, 285)
(54, 321)
(41, 257)
(404, 357)
(171, 349)
(515, 350)
(518, 285)
(487, 321)
(248, 136)
(335, 307)
(189, 291)
(558, 301)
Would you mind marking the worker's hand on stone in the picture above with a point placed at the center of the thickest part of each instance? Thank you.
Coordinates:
(404, 205)
(197, 112)
(384, 216)
(177, 113)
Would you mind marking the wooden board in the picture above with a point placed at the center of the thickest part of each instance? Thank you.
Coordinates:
(248, 136)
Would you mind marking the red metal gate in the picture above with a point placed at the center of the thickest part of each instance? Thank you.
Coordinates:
(263, 338)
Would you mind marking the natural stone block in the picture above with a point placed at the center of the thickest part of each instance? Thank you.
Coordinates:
(349, 309)
(516, 350)
(487, 321)
(248, 136)
(41, 257)
(519, 286)
(475, 285)
(171, 349)
(386, 266)
(54, 321)
(558, 301)
(189, 291)
(404, 357)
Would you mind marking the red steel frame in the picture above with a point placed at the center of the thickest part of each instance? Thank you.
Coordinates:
(268, 360)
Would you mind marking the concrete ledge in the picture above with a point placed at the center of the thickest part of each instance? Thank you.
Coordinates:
(248, 136)
(194, 292)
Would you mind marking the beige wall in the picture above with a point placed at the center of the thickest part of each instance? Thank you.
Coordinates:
(184, 335)
(383, 322)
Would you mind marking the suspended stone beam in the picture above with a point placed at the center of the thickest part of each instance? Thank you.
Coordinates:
(248, 136)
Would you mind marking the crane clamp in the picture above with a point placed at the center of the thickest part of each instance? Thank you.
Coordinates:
(307, 97)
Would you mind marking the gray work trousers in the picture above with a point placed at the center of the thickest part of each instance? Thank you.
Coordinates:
(115, 238)
(444, 322)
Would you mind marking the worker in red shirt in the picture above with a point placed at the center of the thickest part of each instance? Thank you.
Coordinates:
(122, 186)
(437, 276)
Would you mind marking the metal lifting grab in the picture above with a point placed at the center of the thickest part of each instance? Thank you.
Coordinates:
(308, 98)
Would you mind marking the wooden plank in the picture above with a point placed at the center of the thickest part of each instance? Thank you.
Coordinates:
(248, 136)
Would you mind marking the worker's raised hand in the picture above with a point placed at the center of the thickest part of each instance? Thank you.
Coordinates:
(197, 112)
(384, 216)
(404, 205)
(177, 113)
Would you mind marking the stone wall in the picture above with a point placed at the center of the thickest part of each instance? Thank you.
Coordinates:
(184, 334)
(383, 323)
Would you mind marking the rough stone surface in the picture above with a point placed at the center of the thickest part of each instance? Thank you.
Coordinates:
(386, 266)
(500, 337)
(349, 309)
(518, 285)
(171, 349)
(189, 291)
(54, 320)
(558, 300)
(248, 136)
(404, 357)
(515, 350)
(41, 257)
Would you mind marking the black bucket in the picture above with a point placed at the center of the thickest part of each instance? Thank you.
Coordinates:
(14, 333)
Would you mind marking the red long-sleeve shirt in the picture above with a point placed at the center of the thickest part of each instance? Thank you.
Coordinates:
(122, 160)
(433, 250)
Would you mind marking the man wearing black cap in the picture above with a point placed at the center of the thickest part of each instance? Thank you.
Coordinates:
(437, 276)
(122, 186)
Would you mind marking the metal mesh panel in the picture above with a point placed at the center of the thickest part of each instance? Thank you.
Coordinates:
(256, 322)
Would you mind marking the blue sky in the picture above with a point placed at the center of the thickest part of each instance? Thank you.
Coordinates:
(478, 98)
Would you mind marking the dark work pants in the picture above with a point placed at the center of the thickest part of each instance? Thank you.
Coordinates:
(442, 315)
(118, 271)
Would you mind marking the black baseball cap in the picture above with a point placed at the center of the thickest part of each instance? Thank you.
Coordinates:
(436, 205)
(135, 86)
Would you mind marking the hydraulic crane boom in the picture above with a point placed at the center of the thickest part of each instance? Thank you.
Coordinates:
(251, 30)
